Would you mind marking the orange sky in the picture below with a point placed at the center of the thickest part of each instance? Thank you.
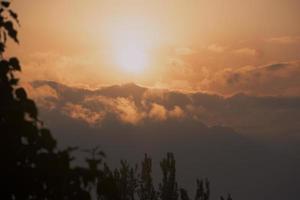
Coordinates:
(216, 46)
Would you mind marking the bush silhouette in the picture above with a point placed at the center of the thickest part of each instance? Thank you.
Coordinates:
(33, 168)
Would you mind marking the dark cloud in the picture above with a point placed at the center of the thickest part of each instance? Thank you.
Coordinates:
(273, 79)
(276, 66)
(233, 78)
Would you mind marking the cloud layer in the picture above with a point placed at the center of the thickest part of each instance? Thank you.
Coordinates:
(134, 105)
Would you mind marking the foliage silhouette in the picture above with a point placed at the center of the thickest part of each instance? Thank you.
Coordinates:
(146, 189)
(168, 187)
(32, 167)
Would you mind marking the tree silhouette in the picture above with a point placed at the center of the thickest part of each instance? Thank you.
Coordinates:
(203, 191)
(228, 197)
(168, 188)
(146, 189)
(33, 168)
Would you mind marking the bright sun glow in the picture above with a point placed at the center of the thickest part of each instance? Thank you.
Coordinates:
(132, 42)
(132, 58)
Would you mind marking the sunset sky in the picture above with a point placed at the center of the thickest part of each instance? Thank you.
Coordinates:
(217, 82)
(220, 46)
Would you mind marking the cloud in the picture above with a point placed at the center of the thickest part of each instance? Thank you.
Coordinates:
(123, 108)
(216, 48)
(68, 69)
(277, 78)
(43, 91)
(45, 95)
(246, 52)
(233, 78)
(79, 112)
(248, 114)
(272, 79)
(177, 112)
(127, 111)
(285, 40)
(276, 66)
(184, 51)
(158, 112)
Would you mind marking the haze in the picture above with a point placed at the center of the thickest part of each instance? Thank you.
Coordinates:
(214, 81)
(179, 44)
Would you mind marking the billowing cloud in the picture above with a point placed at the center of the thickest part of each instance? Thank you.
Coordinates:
(79, 112)
(158, 112)
(177, 112)
(128, 111)
(44, 94)
(122, 108)
(134, 105)
(94, 108)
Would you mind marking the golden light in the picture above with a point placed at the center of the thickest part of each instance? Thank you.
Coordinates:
(131, 57)
(133, 40)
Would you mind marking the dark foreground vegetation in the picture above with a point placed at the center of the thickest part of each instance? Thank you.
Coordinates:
(32, 167)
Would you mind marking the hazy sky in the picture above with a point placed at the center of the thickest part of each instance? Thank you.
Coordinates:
(216, 46)
(182, 44)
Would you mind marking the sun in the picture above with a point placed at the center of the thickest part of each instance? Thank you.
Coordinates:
(132, 58)
(132, 43)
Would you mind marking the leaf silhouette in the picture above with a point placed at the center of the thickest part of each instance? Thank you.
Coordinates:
(14, 16)
(11, 30)
(21, 94)
(5, 3)
(14, 62)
